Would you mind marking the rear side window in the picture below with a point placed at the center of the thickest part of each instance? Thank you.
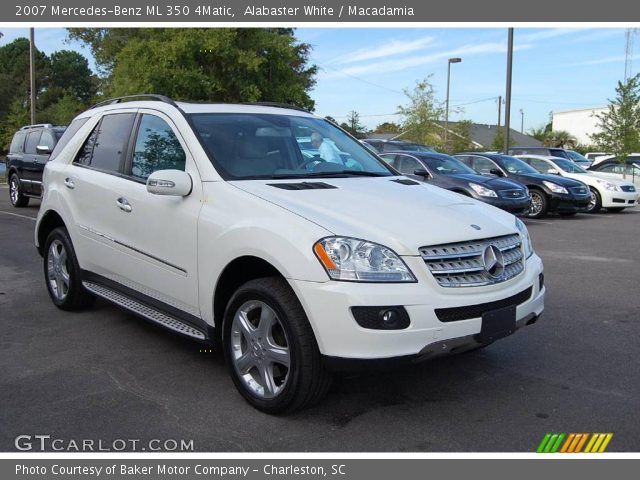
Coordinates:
(17, 144)
(32, 141)
(156, 148)
(67, 135)
(106, 144)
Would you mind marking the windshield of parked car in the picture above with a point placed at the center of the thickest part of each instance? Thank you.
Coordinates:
(577, 157)
(568, 166)
(245, 146)
(446, 165)
(515, 165)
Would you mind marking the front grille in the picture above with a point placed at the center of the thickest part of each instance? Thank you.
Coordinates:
(627, 188)
(463, 265)
(516, 193)
(579, 190)
(476, 311)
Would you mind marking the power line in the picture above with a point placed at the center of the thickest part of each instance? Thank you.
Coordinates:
(361, 79)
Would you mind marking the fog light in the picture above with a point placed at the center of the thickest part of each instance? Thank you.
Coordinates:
(541, 282)
(381, 318)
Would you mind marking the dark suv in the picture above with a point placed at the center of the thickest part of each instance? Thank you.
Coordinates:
(29, 151)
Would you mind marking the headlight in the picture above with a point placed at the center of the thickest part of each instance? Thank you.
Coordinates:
(483, 191)
(555, 188)
(526, 239)
(608, 185)
(354, 260)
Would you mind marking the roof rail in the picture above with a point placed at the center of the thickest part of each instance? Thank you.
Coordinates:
(142, 96)
(277, 105)
(36, 125)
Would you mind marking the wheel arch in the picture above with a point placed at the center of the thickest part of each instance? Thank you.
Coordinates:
(236, 273)
(50, 221)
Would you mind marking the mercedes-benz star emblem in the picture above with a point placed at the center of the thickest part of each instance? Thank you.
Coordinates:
(493, 261)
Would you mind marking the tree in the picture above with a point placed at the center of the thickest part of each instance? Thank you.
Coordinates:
(70, 72)
(388, 127)
(560, 139)
(539, 133)
(17, 116)
(420, 114)
(460, 136)
(498, 140)
(204, 64)
(353, 125)
(619, 126)
(63, 110)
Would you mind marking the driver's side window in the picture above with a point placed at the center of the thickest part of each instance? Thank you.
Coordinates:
(407, 165)
(483, 165)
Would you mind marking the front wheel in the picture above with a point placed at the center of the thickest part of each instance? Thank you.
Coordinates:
(17, 197)
(538, 204)
(62, 272)
(595, 204)
(270, 348)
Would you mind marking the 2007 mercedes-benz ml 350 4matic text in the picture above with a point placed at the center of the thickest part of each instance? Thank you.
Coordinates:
(212, 221)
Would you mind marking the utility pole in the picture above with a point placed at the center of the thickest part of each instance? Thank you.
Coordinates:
(507, 108)
(521, 121)
(32, 74)
(499, 110)
(446, 114)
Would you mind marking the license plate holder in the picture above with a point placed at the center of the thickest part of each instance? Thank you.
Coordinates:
(497, 324)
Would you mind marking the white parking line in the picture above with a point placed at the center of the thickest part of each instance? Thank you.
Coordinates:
(18, 215)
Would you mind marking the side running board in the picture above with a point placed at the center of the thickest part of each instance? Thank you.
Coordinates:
(144, 311)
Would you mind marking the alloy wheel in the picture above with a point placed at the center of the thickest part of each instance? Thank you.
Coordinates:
(57, 270)
(14, 190)
(260, 349)
(536, 204)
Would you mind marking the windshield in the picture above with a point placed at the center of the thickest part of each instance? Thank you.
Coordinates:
(515, 165)
(568, 166)
(447, 165)
(576, 157)
(246, 146)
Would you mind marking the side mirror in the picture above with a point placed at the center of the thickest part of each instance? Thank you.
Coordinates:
(495, 171)
(421, 172)
(43, 150)
(553, 171)
(170, 182)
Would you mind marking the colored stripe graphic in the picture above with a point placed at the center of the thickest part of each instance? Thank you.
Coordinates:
(574, 442)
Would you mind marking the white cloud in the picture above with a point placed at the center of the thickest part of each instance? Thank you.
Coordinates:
(394, 47)
(544, 34)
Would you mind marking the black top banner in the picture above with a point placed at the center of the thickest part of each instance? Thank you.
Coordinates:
(271, 11)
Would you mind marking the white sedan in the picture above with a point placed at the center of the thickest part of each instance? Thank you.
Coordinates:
(614, 195)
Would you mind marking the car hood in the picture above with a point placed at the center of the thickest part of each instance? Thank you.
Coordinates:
(592, 178)
(401, 217)
(540, 177)
(495, 183)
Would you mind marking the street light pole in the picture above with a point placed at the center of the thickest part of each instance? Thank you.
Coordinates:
(521, 121)
(507, 107)
(446, 113)
(499, 110)
(32, 75)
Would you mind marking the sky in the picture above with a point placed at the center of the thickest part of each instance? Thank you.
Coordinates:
(367, 69)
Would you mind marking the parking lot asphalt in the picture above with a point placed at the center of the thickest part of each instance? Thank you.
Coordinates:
(105, 374)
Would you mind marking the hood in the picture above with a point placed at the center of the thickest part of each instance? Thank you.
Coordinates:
(609, 177)
(495, 183)
(540, 177)
(401, 217)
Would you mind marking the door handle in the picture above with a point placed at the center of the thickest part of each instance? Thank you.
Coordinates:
(69, 183)
(124, 205)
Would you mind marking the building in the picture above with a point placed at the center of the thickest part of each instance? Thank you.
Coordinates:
(481, 136)
(581, 123)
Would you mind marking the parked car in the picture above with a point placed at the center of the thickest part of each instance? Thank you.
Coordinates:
(549, 193)
(613, 169)
(445, 171)
(614, 195)
(207, 219)
(28, 153)
(551, 152)
(396, 146)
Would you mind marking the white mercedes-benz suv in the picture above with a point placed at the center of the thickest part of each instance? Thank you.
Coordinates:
(279, 237)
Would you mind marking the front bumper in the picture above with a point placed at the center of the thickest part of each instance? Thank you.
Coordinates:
(569, 203)
(619, 199)
(515, 206)
(338, 335)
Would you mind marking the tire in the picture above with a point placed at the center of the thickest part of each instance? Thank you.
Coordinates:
(17, 197)
(539, 204)
(62, 273)
(567, 214)
(264, 317)
(615, 209)
(596, 201)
